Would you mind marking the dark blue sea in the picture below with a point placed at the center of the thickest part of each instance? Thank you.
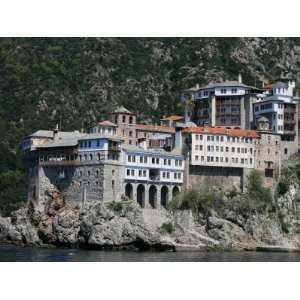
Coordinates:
(10, 253)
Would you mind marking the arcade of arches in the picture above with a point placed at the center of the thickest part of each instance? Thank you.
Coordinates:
(151, 195)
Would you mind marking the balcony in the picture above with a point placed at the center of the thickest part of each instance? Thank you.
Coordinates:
(154, 174)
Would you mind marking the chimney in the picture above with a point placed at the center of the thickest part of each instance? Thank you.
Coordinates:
(142, 143)
(178, 138)
(240, 78)
(55, 131)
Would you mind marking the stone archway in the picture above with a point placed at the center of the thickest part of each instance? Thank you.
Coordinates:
(129, 191)
(164, 194)
(140, 195)
(175, 191)
(153, 196)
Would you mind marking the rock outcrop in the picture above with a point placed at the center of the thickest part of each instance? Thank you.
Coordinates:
(53, 222)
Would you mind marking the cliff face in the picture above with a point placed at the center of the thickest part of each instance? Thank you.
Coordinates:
(53, 222)
(75, 81)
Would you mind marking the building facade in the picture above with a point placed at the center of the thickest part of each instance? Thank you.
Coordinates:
(227, 104)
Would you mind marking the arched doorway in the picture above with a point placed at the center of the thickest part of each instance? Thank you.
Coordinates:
(140, 195)
(175, 191)
(153, 196)
(164, 193)
(129, 191)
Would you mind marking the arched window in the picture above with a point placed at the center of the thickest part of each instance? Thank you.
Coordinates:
(130, 120)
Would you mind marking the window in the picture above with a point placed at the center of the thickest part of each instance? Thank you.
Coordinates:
(140, 173)
(157, 160)
(197, 137)
(233, 90)
(208, 137)
(201, 137)
(123, 119)
(169, 162)
(202, 158)
(130, 133)
(164, 174)
(232, 149)
(97, 173)
(201, 147)
(285, 151)
(129, 158)
(227, 149)
(130, 120)
(179, 176)
(223, 91)
(175, 175)
(144, 173)
(196, 157)
(132, 172)
(168, 175)
(90, 144)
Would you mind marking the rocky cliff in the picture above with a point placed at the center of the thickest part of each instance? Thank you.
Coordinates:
(53, 222)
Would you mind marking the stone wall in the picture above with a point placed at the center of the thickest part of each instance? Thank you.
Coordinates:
(202, 177)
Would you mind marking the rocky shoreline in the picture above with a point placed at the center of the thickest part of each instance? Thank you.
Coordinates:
(119, 226)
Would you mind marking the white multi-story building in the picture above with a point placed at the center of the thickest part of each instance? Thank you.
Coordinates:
(224, 157)
(225, 104)
(152, 176)
(278, 105)
(221, 147)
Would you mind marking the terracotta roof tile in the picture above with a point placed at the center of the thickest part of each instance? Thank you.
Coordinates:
(222, 131)
(157, 128)
(107, 123)
(172, 118)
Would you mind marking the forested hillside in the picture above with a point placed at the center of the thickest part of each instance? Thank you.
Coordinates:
(72, 81)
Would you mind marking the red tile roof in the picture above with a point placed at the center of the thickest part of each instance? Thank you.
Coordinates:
(222, 131)
(172, 118)
(107, 123)
(156, 128)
